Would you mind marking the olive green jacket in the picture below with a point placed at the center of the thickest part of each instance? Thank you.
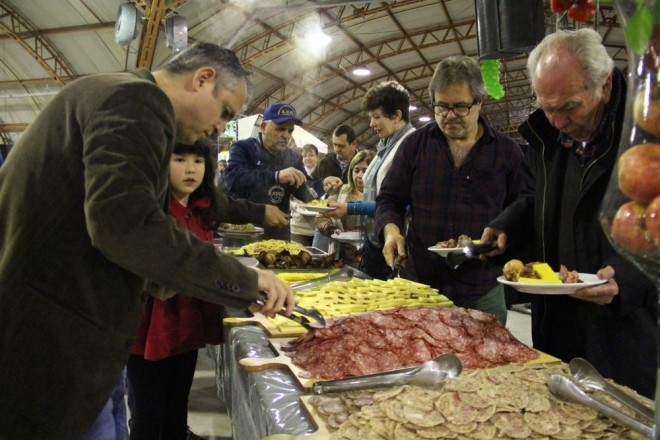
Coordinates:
(82, 227)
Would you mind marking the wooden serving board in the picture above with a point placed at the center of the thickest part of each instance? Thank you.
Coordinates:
(269, 327)
(284, 362)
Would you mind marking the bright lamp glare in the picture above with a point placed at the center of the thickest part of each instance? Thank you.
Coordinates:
(317, 39)
(424, 118)
(412, 108)
(361, 71)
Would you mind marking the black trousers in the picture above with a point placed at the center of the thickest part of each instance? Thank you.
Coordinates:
(160, 391)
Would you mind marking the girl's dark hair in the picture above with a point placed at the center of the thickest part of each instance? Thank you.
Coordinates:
(208, 216)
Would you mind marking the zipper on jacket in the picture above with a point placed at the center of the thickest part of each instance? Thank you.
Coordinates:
(545, 190)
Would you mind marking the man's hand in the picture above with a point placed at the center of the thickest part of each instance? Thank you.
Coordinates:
(395, 244)
(292, 176)
(603, 293)
(332, 184)
(496, 236)
(278, 294)
(273, 216)
(340, 211)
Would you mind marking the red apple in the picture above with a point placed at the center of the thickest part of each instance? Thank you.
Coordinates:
(646, 109)
(639, 172)
(629, 230)
(653, 221)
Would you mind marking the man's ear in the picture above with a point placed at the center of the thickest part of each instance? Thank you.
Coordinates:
(202, 76)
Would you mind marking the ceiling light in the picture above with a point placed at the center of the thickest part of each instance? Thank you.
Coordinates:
(412, 108)
(316, 39)
(361, 71)
(424, 118)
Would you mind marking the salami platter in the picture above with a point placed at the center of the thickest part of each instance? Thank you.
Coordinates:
(283, 362)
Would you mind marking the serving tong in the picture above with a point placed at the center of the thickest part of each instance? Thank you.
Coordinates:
(301, 315)
(588, 376)
(469, 251)
(566, 388)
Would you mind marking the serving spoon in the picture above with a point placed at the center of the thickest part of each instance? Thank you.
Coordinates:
(587, 375)
(431, 374)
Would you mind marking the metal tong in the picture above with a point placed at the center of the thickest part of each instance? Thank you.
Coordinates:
(469, 250)
(564, 387)
(587, 375)
(301, 315)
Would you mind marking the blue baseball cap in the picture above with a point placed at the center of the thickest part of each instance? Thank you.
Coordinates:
(281, 112)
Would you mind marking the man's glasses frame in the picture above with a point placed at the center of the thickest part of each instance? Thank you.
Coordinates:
(460, 110)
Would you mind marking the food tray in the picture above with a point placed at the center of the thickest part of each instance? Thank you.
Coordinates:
(283, 361)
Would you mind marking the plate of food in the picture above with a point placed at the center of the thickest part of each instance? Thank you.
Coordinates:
(317, 206)
(543, 287)
(240, 229)
(539, 278)
(443, 248)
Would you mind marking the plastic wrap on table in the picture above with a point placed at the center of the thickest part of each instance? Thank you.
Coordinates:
(260, 403)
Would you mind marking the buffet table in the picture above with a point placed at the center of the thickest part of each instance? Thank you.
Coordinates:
(260, 403)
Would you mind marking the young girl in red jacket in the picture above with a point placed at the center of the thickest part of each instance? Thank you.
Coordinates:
(162, 364)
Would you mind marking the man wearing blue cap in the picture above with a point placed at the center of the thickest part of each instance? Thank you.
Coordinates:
(264, 169)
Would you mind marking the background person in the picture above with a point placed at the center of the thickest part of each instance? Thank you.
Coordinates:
(263, 169)
(336, 162)
(351, 192)
(310, 157)
(573, 145)
(387, 105)
(453, 176)
(81, 198)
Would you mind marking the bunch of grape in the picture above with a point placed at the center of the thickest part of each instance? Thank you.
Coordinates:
(490, 72)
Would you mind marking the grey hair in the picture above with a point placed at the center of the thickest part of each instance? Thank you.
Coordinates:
(585, 45)
(226, 63)
(458, 69)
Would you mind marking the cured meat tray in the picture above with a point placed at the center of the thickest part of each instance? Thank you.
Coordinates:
(283, 361)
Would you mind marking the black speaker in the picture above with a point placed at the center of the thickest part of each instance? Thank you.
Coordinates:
(508, 28)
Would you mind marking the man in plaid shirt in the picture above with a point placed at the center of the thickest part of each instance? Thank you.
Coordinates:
(453, 176)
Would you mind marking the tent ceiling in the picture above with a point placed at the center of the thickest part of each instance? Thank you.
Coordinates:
(44, 45)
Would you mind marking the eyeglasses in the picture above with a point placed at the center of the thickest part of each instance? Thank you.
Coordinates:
(460, 110)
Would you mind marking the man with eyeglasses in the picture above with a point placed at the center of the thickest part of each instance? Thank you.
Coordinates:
(453, 176)
(573, 142)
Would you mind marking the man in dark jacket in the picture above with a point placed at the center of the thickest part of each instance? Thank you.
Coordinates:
(263, 169)
(573, 143)
(335, 163)
(83, 228)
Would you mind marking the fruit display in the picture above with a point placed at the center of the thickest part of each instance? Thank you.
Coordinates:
(578, 10)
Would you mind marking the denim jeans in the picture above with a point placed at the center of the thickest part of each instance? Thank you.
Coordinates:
(111, 422)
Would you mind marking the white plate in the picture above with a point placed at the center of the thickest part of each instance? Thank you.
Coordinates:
(257, 230)
(347, 237)
(315, 252)
(588, 280)
(306, 213)
(248, 261)
(444, 251)
(317, 208)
